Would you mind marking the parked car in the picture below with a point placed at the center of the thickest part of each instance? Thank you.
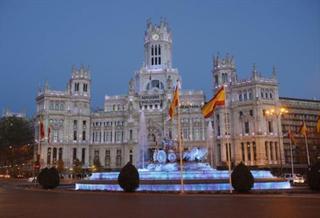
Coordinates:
(295, 178)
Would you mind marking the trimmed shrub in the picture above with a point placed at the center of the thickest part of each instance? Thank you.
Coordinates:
(242, 179)
(49, 178)
(128, 178)
(314, 177)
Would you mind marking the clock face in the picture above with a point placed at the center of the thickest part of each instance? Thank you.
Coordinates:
(155, 36)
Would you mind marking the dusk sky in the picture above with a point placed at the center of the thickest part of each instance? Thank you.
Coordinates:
(41, 40)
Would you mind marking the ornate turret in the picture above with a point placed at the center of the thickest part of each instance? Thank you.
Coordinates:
(80, 82)
(224, 70)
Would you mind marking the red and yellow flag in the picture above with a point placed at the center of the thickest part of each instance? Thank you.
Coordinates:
(291, 137)
(218, 99)
(42, 134)
(49, 133)
(174, 103)
(318, 124)
(303, 129)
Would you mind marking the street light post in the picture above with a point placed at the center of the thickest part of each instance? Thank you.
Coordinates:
(278, 112)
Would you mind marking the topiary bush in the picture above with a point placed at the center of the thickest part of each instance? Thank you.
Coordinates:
(314, 177)
(241, 178)
(128, 178)
(49, 178)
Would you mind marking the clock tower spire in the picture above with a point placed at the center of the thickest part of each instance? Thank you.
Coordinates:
(158, 46)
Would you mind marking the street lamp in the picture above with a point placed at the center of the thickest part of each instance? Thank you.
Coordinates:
(278, 112)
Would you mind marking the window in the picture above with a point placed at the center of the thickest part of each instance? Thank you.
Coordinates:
(251, 113)
(240, 114)
(246, 127)
(254, 151)
(85, 87)
(242, 151)
(219, 152)
(250, 95)
(74, 154)
(84, 124)
(118, 158)
(186, 133)
(54, 155)
(83, 155)
(74, 135)
(131, 157)
(75, 124)
(76, 87)
(155, 55)
(248, 151)
(60, 153)
(245, 96)
(224, 77)
(96, 157)
(276, 150)
(83, 135)
(49, 156)
(270, 127)
(266, 150)
(107, 158)
(271, 150)
(216, 78)
(240, 96)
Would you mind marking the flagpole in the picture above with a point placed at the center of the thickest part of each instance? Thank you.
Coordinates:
(180, 150)
(228, 148)
(307, 149)
(291, 153)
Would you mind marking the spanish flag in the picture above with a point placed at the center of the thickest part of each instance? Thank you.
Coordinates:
(42, 134)
(49, 134)
(174, 103)
(291, 137)
(303, 129)
(318, 124)
(218, 99)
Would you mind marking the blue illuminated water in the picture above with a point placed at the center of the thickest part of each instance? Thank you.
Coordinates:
(193, 173)
(187, 187)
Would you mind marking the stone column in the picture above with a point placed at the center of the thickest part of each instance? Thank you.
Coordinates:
(252, 154)
(245, 153)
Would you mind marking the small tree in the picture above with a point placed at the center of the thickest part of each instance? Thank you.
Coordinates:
(49, 178)
(129, 178)
(97, 165)
(77, 168)
(314, 177)
(242, 179)
(60, 166)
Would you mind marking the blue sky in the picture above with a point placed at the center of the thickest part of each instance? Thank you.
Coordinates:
(41, 40)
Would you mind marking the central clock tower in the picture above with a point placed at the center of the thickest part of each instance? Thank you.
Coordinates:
(156, 76)
(158, 46)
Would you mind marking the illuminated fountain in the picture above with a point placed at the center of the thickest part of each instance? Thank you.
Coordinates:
(163, 172)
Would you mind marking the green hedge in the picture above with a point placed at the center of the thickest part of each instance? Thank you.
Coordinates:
(242, 179)
(128, 178)
(49, 178)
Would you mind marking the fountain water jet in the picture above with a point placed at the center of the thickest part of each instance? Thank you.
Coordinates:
(142, 142)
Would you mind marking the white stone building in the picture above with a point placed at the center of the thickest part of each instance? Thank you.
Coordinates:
(111, 135)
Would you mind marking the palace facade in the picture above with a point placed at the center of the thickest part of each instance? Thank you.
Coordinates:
(110, 136)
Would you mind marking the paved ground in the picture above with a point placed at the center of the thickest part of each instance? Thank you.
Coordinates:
(20, 202)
